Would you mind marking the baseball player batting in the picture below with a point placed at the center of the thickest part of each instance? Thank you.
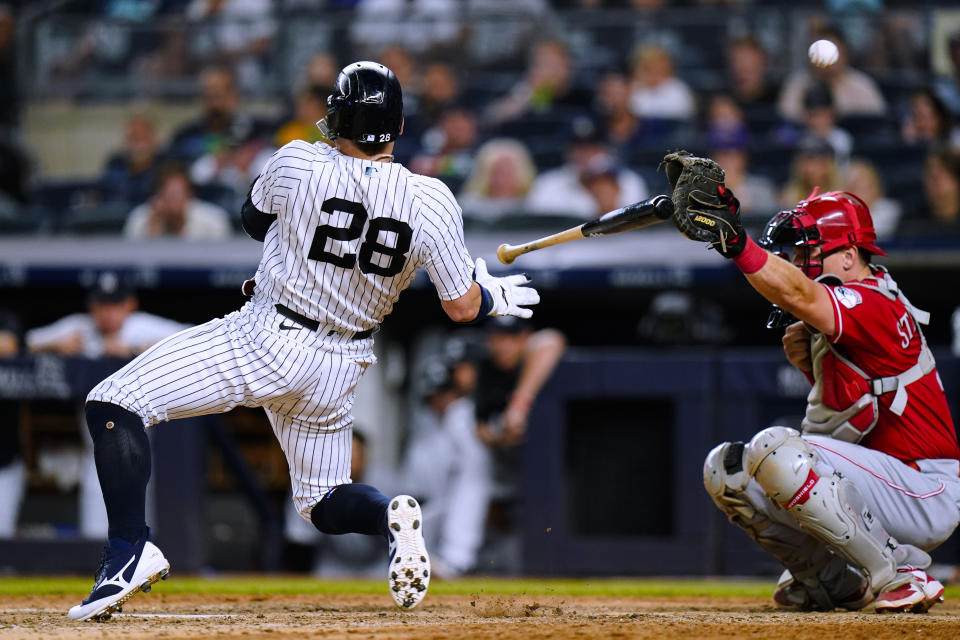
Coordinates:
(850, 504)
(344, 229)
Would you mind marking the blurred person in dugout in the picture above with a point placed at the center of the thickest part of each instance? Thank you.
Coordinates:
(518, 362)
(13, 473)
(502, 175)
(353, 554)
(447, 468)
(111, 327)
(174, 211)
(572, 188)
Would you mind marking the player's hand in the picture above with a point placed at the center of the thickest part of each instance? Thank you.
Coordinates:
(509, 293)
(796, 346)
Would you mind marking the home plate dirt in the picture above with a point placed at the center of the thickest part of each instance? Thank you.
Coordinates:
(174, 616)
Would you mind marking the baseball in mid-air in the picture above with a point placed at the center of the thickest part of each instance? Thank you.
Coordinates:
(823, 53)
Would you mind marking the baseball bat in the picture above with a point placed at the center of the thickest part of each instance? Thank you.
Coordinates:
(633, 216)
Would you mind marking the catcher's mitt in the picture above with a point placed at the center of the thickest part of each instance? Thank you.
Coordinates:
(705, 210)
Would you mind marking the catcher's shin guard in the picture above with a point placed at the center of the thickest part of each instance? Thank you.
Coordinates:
(826, 505)
(807, 558)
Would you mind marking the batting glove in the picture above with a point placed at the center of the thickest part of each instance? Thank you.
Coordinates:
(508, 294)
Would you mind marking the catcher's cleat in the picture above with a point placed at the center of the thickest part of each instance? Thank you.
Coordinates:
(409, 570)
(916, 596)
(121, 575)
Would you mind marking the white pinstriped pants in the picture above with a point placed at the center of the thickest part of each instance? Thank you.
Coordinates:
(304, 380)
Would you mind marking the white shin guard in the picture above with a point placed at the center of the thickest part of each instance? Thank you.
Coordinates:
(825, 504)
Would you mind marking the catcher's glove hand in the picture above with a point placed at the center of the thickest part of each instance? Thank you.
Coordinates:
(706, 209)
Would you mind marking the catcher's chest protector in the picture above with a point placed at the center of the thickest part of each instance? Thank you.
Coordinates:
(843, 401)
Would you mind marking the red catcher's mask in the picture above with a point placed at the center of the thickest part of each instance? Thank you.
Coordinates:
(830, 221)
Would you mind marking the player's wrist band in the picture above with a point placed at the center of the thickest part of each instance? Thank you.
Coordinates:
(486, 303)
(752, 258)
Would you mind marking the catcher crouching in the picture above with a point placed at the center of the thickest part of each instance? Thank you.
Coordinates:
(850, 504)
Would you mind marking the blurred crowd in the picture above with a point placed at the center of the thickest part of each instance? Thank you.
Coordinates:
(524, 108)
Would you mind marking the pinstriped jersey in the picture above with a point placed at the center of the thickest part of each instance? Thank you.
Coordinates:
(350, 234)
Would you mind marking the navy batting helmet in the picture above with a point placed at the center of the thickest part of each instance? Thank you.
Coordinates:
(366, 105)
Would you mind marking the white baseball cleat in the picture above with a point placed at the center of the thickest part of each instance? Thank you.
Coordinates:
(915, 596)
(121, 575)
(409, 571)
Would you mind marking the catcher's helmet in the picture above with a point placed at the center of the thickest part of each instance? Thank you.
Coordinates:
(830, 221)
(366, 105)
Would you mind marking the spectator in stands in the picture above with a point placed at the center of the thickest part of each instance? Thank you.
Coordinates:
(310, 108)
(174, 211)
(627, 133)
(563, 190)
(420, 26)
(656, 92)
(948, 87)
(750, 83)
(401, 62)
(941, 189)
(547, 87)
(502, 175)
(309, 102)
(111, 327)
(447, 466)
(813, 167)
(237, 33)
(321, 71)
(820, 119)
(441, 90)
(9, 83)
(130, 174)
(519, 362)
(222, 123)
(854, 92)
(448, 148)
(757, 195)
(232, 168)
(861, 178)
(929, 122)
(13, 474)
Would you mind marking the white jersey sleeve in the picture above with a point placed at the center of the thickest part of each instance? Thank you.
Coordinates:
(444, 253)
(273, 187)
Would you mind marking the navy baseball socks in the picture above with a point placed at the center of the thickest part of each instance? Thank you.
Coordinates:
(360, 508)
(130, 563)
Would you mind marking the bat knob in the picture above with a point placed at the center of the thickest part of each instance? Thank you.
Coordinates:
(663, 207)
(503, 254)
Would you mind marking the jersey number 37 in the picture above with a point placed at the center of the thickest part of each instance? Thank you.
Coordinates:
(372, 244)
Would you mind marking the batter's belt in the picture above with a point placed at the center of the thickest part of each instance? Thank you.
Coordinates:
(314, 325)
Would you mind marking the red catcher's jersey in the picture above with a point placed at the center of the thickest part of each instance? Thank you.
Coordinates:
(880, 336)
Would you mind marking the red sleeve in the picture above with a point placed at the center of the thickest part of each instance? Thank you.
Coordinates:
(868, 324)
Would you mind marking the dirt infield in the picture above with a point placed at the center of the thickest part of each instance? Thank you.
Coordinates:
(175, 616)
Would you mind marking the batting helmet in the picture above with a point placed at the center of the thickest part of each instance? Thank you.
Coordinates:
(830, 221)
(366, 105)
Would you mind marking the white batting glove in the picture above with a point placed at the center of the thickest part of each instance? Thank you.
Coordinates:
(509, 293)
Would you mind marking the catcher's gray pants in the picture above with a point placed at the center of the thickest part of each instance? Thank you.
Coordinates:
(917, 507)
(303, 379)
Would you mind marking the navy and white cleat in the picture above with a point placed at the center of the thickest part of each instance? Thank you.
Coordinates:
(121, 575)
(409, 571)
